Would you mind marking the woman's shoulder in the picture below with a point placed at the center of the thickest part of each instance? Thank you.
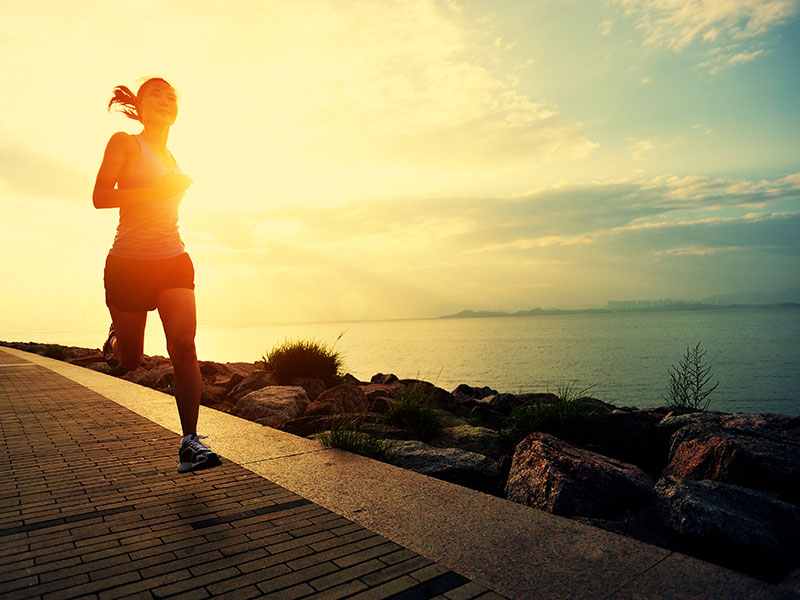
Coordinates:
(122, 143)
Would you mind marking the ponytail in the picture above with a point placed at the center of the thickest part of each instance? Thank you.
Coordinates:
(126, 102)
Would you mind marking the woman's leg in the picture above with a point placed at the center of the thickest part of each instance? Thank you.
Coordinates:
(129, 337)
(177, 309)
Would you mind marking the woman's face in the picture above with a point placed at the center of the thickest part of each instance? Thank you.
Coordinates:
(158, 104)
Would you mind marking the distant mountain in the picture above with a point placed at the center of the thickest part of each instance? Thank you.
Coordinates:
(771, 297)
(471, 314)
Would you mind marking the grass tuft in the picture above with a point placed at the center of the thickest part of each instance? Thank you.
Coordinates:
(414, 407)
(304, 358)
(345, 435)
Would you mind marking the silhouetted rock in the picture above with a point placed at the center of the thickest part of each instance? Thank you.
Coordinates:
(340, 399)
(386, 379)
(437, 396)
(351, 380)
(156, 378)
(488, 416)
(758, 451)
(451, 464)
(382, 390)
(306, 426)
(502, 403)
(556, 476)
(536, 398)
(312, 385)
(272, 405)
(465, 394)
(748, 530)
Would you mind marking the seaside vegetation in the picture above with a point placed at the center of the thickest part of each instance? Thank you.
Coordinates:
(304, 358)
(688, 389)
(414, 407)
(55, 351)
(345, 434)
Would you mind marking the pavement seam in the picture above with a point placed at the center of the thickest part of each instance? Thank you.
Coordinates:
(261, 460)
(638, 576)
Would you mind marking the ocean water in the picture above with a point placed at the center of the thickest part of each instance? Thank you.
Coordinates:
(623, 356)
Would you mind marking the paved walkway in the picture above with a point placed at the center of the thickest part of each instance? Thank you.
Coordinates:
(92, 506)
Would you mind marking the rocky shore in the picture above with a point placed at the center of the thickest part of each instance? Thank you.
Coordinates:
(721, 487)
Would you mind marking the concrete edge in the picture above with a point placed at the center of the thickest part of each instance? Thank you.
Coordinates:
(513, 549)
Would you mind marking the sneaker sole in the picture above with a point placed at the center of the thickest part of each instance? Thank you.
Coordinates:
(213, 461)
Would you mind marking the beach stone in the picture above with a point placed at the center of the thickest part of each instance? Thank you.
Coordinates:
(306, 426)
(502, 403)
(439, 397)
(340, 399)
(381, 390)
(450, 464)
(558, 477)
(312, 385)
(85, 359)
(272, 405)
(481, 440)
(758, 451)
(536, 398)
(743, 529)
(159, 378)
(466, 394)
(384, 378)
(488, 416)
(254, 381)
(351, 380)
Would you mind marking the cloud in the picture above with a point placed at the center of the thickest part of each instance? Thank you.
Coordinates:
(733, 25)
(605, 27)
(640, 148)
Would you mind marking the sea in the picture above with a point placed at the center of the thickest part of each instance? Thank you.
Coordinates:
(620, 357)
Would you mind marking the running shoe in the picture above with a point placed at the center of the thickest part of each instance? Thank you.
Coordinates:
(108, 349)
(195, 455)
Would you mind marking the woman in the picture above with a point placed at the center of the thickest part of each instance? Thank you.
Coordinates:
(147, 267)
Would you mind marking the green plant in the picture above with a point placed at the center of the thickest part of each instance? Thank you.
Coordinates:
(56, 351)
(345, 435)
(304, 358)
(414, 407)
(688, 387)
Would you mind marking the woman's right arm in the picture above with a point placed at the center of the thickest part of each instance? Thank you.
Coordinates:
(106, 194)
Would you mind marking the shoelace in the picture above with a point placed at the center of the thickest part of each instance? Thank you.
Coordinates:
(196, 444)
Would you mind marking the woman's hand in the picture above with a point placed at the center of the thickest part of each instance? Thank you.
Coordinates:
(171, 185)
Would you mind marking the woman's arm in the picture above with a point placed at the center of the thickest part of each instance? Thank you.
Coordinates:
(106, 195)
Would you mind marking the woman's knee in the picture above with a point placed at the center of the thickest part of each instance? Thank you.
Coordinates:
(182, 348)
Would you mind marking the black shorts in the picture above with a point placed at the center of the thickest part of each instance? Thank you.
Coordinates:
(133, 284)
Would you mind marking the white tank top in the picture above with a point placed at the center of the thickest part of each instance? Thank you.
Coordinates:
(148, 230)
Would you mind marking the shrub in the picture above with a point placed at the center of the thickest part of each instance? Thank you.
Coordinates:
(55, 351)
(688, 382)
(304, 358)
(345, 435)
(414, 407)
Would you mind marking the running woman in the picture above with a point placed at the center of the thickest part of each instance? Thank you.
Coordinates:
(147, 267)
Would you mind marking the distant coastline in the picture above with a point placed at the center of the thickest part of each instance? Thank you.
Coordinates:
(472, 314)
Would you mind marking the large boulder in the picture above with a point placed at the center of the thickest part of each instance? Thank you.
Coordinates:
(502, 403)
(437, 396)
(480, 440)
(340, 399)
(159, 378)
(558, 477)
(306, 426)
(272, 405)
(451, 464)
(313, 386)
(466, 394)
(254, 381)
(737, 527)
(758, 451)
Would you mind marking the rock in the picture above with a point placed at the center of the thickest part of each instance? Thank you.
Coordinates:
(381, 390)
(228, 382)
(378, 404)
(536, 397)
(306, 426)
(351, 380)
(466, 395)
(340, 399)
(86, 359)
(480, 440)
(272, 405)
(500, 402)
(312, 385)
(635, 438)
(747, 530)
(450, 464)
(435, 395)
(757, 451)
(210, 370)
(553, 475)
(792, 582)
(384, 379)
(213, 394)
(488, 416)
(159, 378)
(254, 381)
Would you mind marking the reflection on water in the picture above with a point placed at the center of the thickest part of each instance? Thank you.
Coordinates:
(753, 353)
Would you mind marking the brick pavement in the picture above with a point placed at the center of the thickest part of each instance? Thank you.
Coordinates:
(92, 506)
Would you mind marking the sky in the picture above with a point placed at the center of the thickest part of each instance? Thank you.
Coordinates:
(397, 159)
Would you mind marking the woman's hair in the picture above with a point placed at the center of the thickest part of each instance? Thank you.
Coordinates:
(125, 101)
